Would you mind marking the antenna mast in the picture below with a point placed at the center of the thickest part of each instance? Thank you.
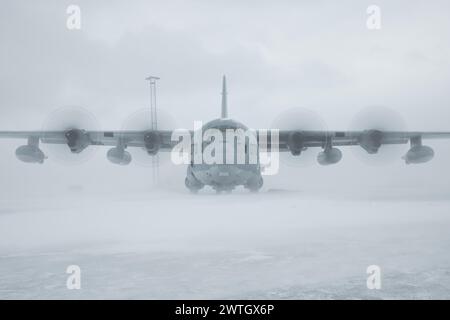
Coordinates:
(153, 124)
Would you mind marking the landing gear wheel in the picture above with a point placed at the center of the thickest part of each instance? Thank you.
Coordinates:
(255, 184)
(193, 186)
(191, 182)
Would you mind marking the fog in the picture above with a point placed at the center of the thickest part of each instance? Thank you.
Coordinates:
(277, 56)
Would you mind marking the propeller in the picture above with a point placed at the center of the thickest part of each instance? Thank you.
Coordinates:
(74, 122)
(140, 120)
(298, 120)
(375, 120)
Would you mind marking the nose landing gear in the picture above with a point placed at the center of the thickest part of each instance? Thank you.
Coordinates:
(220, 189)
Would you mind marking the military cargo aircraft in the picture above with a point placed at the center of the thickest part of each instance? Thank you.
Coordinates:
(227, 175)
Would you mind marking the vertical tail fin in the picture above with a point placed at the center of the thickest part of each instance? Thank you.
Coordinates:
(224, 98)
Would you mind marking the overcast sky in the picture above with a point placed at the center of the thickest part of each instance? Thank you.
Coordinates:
(277, 55)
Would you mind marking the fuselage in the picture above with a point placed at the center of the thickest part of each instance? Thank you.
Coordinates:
(225, 175)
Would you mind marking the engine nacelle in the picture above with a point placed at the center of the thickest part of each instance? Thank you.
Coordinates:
(30, 154)
(119, 156)
(152, 142)
(329, 156)
(295, 143)
(418, 154)
(370, 140)
(77, 140)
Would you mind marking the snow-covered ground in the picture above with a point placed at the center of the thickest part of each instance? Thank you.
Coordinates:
(282, 244)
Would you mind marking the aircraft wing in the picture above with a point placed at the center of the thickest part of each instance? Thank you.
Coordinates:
(78, 140)
(371, 141)
(294, 141)
(290, 140)
(98, 138)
